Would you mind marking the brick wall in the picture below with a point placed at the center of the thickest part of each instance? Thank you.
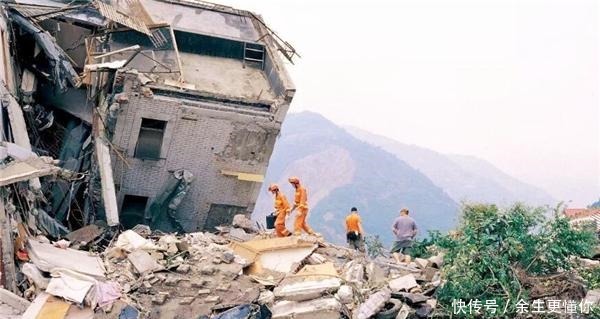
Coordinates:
(201, 137)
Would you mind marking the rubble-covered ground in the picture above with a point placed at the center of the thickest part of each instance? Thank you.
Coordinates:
(240, 272)
(235, 273)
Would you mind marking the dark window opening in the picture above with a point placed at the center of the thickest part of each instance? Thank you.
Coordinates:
(132, 212)
(221, 214)
(150, 139)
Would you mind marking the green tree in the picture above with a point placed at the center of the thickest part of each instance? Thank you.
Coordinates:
(492, 246)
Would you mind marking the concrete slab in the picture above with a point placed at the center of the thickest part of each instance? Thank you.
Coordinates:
(315, 272)
(19, 171)
(143, 262)
(14, 301)
(403, 283)
(107, 182)
(196, 20)
(18, 126)
(273, 254)
(307, 290)
(47, 257)
(226, 77)
(327, 308)
(8, 312)
(373, 304)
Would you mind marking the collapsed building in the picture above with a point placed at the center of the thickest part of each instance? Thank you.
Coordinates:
(181, 99)
(155, 112)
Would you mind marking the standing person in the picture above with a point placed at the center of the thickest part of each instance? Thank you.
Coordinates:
(282, 210)
(405, 229)
(300, 203)
(354, 231)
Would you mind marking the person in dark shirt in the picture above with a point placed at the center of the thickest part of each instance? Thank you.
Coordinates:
(405, 230)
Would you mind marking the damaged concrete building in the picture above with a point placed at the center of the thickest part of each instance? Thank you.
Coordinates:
(169, 110)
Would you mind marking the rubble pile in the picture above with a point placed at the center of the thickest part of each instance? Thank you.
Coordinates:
(148, 274)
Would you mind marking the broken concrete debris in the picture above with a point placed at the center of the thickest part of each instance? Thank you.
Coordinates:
(405, 283)
(373, 304)
(205, 274)
(317, 308)
(143, 262)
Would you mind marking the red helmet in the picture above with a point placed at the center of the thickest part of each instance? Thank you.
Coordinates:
(273, 188)
(294, 180)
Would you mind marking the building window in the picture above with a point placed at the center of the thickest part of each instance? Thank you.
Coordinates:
(132, 212)
(150, 139)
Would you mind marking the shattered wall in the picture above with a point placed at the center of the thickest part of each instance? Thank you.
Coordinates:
(6, 65)
(202, 137)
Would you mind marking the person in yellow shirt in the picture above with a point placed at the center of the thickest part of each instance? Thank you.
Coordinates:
(282, 210)
(354, 231)
(300, 203)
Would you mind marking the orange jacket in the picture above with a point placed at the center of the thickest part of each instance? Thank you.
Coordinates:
(301, 198)
(281, 203)
(352, 223)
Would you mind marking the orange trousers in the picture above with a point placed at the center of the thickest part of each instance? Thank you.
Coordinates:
(280, 229)
(300, 223)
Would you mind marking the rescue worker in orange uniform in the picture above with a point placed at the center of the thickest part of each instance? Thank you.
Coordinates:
(300, 203)
(354, 231)
(282, 210)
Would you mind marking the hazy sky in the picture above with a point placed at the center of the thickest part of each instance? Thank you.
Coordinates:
(513, 82)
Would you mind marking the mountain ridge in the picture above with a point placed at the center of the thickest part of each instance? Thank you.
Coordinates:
(464, 177)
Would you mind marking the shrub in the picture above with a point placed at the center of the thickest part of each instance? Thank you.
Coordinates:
(491, 245)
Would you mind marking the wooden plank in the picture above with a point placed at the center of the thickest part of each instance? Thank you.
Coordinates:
(36, 306)
(54, 308)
